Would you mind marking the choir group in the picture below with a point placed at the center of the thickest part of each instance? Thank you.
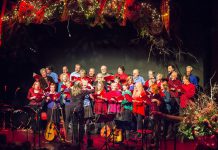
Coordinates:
(85, 95)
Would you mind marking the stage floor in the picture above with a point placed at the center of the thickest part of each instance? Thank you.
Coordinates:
(20, 136)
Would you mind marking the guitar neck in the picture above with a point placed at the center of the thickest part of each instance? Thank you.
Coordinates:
(62, 120)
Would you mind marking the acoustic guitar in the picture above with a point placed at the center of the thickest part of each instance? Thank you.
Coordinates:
(115, 135)
(51, 130)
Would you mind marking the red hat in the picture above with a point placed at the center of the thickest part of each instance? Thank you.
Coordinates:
(36, 76)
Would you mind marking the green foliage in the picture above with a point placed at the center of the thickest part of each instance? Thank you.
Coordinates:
(201, 119)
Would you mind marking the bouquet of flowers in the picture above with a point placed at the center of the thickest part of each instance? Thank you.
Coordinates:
(201, 121)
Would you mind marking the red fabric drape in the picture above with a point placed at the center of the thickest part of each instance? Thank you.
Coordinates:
(127, 4)
(102, 4)
(27, 9)
(165, 12)
(2, 14)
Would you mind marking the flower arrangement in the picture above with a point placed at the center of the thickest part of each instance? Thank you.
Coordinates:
(201, 121)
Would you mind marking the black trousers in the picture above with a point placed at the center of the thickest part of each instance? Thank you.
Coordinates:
(126, 115)
(139, 119)
(35, 124)
(68, 115)
(175, 106)
(78, 126)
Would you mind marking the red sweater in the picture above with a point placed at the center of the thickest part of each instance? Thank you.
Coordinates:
(113, 94)
(99, 100)
(188, 92)
(138, 107)
(39, 96)
(91, 79)
(100, 106)
(174, 86)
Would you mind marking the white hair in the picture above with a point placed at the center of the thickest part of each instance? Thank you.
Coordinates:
(190, 67)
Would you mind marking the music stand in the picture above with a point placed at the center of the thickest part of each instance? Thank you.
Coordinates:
(38, 117)
(105, 119)
(124, 125)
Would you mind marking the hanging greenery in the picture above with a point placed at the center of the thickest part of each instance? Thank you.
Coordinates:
(146, 18)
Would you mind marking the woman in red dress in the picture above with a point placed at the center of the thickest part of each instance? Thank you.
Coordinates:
(139, 97)
(156, 102)
(188, 92)
(35, 95)
(100, 104)
(114, 98)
